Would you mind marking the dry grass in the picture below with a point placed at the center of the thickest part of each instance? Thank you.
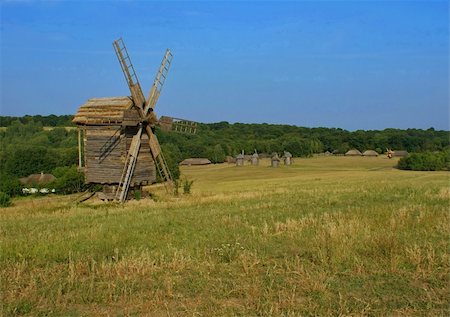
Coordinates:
(327, 236)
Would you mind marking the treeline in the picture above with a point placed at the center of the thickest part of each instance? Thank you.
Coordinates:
(26, 147)
(46, 121)
(230, 139)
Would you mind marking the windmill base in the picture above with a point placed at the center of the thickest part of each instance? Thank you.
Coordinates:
(109, 192)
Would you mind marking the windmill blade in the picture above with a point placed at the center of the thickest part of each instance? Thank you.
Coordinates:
(158, 156)
(160, 78)
(129, 73)
(128, 169)
(177, 125)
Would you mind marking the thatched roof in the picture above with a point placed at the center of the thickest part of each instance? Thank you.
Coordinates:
(240, 156)
(37, 179)
(103, 110)
(230, 159)
(287, 154)
(353, 152)
(370, 153)
(275, 157)
(195, 161)
(400, 153)
(255, 155)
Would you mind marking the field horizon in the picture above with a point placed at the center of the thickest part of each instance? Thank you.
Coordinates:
(325, 236)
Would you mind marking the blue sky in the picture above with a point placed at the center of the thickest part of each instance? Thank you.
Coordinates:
(347, 64)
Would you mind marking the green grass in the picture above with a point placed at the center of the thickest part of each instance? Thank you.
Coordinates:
(326, 236)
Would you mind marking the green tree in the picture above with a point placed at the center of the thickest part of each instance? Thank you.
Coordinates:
(173, 158)
(216, 154)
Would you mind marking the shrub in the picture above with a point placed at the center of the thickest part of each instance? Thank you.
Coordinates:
(187, 184)
(10, 185)
(427, 161)
(176, 187)
(68, 180)
(5, 200)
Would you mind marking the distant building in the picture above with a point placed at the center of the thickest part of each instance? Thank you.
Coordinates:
(287, 157)
(255, 159)
(264, 155)
(400, 153)
(240, 159)
(275, 161)
(230, 159)
(195, 161)
(37, 179)
(370, 153)
(353, 152)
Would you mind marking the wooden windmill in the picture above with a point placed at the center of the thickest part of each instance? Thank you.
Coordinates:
(120, 148)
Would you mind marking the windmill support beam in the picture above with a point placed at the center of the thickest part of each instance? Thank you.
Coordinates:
(80, 164)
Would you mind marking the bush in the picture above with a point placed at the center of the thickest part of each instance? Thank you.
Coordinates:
(426, 161)
(187, 184)
(5, 200)
(10, 185)
(68, 180)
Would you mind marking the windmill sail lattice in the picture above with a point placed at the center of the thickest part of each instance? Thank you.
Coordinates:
(147, 117)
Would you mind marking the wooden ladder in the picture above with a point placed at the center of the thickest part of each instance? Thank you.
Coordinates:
(128, 169)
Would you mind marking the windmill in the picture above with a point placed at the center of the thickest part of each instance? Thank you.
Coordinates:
(120, 147)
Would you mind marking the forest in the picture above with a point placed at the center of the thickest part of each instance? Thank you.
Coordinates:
(27, 147)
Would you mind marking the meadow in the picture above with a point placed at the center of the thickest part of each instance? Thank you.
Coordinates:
(325, 236)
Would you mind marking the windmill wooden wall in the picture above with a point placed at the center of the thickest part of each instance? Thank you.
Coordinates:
(106, 143)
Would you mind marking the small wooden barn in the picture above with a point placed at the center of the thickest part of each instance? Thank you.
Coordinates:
(287, 158)
(353, 152)
(370, 153)
(195, 161)
(106, 128)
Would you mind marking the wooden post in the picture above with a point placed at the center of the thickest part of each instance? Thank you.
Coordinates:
(79, 148)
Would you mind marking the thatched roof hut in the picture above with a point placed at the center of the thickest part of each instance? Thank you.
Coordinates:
(195, 161)
(37, 179)
(353, 152)
(370, 153)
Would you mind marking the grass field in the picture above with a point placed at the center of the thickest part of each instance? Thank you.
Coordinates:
(326, 236)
